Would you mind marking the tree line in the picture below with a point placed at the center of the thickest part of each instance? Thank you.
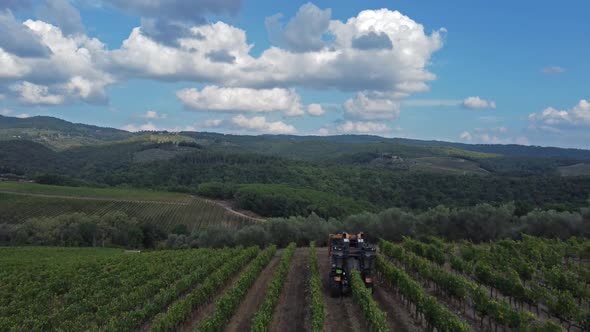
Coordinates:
(114, 229)
(480, 223)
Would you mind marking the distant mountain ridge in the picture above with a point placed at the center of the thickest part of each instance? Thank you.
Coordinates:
(53, 132)
(51, 123)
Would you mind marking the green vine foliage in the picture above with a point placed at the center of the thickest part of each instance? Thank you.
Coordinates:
(226, 305)
(534, 271)
(263, 317)
(89, 289)
(364, 298)
(182, 309)
(315, 285)
(436, 314)
(462, 289)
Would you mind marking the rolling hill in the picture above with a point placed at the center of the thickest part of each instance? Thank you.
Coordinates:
(61, 134)
(56, 133)
(372, 171)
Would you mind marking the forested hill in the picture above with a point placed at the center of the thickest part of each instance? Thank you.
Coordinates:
(295, 175)
(51, 123)
(509, 150)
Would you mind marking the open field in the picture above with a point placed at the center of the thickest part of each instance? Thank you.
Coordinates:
(419, 286)
(22, 201)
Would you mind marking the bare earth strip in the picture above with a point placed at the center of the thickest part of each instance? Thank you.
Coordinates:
(242, 319)
(229, 208)
(341, 313)
(292, 311)
(398, 317)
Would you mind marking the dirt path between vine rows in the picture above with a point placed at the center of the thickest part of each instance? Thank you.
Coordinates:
(206, 310)
(242, 319)
(398, 316)
(341, 313)
(292, 313)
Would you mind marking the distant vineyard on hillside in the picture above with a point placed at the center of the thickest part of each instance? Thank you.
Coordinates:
(195, 213)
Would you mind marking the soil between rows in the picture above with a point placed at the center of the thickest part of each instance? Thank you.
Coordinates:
(341, 313)
(398, 317)
(292, 312)
(242, 319)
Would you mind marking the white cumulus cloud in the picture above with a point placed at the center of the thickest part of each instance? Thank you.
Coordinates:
(579, 115)
(261, 125)
(362, 127)
(466, 136)
(153, 115)
(11, 66)
(315, 110)
(73, 65)
(305, 31)
(476, 103)
(401, 68)
(372, 107)
(142, 127)
(214, 98)
(33, 94)
(381, 54)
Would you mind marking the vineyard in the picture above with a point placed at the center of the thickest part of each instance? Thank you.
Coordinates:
(529, 285)
(20, 202)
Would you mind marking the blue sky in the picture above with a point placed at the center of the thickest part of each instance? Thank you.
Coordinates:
(476, 72)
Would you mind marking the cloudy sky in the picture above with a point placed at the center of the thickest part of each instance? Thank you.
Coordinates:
(478, 71)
